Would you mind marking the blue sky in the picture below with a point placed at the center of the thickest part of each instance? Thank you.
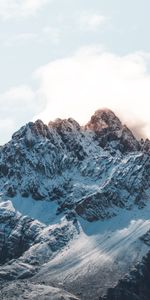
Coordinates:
(63, 57)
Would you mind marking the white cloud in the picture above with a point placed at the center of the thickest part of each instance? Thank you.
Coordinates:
(79, 85)
(18, 106)
(22, 8)
(92, 21)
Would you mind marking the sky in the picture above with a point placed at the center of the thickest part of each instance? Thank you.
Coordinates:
(68, 58)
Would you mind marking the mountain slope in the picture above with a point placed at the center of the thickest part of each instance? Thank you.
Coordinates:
(135, 285)
(25, 290)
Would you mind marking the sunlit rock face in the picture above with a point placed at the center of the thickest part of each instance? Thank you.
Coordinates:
(109, 129)
(104, 118)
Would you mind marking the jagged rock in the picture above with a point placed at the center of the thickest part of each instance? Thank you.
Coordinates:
(88, 169)
(108, 129)
(21, 236)
(104, 118)
(135, 286)
(25, 290)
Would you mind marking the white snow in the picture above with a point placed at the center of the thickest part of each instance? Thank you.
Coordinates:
(43, 211)
(101, 246)
(6, 208)
(34, 291)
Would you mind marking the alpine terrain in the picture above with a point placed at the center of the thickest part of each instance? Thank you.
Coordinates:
(75, 211)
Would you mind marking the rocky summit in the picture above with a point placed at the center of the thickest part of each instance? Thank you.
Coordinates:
(75, 211)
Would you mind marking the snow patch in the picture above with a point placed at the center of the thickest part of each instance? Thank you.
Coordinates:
(43, 211)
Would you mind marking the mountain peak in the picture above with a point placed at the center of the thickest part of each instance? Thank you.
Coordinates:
(104, 118)
(34, 128)
(109, 130)
(64, 125)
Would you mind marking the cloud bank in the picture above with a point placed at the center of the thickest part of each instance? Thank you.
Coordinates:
(94, 78)
(76, 86)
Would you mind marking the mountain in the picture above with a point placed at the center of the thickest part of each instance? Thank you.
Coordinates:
(74, 208)
(135, 285)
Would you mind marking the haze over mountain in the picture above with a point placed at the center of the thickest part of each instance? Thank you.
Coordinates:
(74, 211)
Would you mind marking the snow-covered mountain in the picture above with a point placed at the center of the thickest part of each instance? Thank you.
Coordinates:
(135, 285)
(75, 204)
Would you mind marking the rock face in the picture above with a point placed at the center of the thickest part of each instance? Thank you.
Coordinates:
(25, 244)
(135, 286)
(91, 173)
(17, 233)
(108, 129)
(25, 290)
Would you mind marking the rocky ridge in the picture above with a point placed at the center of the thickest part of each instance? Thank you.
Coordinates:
(101, 165)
